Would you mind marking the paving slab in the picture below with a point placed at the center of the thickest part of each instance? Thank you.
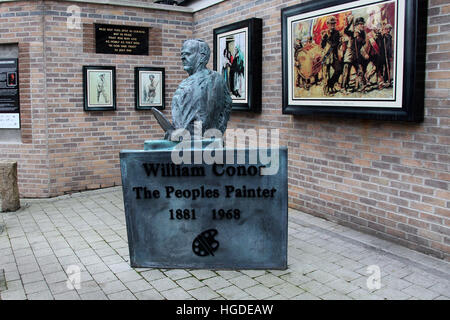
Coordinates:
(47, 237)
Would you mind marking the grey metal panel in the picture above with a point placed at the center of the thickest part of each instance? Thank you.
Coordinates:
(9, 50)
(258, 240)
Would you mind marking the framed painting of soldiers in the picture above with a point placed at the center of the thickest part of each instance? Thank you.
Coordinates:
(149, 88)
(354, 58)
(99, 88)
(238, 57)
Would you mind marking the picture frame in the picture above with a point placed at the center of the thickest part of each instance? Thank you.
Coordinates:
(150, 88)
(99, 88)
(238, 57)
(11, 79)
(355, 58)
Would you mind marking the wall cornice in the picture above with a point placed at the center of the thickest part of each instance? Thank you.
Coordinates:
(192, 8)
(126, 3)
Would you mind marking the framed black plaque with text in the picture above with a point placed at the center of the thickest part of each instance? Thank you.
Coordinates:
(116, 39)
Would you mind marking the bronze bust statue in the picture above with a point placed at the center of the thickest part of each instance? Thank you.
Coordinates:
(202, 98)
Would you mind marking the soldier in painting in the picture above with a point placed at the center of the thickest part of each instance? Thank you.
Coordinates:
(346, 58)
(297, 47)
(331, 67)
(101, 90)
(383, 61)
(150, 89)
(357, 38)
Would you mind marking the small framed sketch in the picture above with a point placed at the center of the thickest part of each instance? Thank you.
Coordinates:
(149, 88)
(99, 88)
(355, 58)
(238, 57)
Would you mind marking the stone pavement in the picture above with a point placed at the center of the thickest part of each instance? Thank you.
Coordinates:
(48, 240)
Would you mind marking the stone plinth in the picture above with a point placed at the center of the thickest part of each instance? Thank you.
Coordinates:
(221, 215)
(9, 190)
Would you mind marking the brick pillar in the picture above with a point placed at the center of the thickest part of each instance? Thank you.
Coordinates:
(9, 191)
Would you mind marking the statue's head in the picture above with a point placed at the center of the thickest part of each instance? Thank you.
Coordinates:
(195, 55)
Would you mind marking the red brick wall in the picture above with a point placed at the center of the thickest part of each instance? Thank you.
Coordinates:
(84, 146)
(64, 148)
(21, 23)
(389, 179)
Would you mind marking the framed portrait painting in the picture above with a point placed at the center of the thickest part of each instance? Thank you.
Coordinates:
(99, 86)
(354, 58)
(11, 79)
(237, 57)
(149, 88)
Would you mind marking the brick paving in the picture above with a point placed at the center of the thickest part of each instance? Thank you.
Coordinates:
(46, 239)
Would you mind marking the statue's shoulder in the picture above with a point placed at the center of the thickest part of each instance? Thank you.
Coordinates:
(200, 79)
(215, 77)
(186, 83)
(206, 76)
